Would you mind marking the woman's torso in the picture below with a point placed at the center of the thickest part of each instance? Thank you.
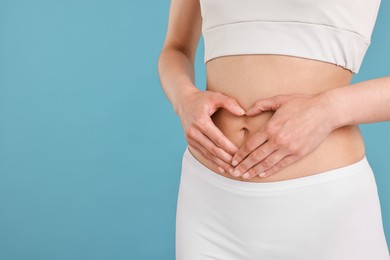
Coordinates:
(250, 77)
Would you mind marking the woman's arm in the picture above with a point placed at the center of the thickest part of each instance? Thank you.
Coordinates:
(193, 106)
(176, 60)
(176, 73)
(360, 103)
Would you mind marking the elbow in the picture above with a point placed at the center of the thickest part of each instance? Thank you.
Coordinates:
(185, 51)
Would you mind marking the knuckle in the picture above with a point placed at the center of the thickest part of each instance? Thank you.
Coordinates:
(270, 129)
(218, 162)
(267, 163)
(280, 140)
(201, 122)
(276, 167)
(218, 141)
(259, 153)
(248, 146)
(190, 133)
(203, 154)
(293, 148)
(230, 101)
(209, 155)
(251, 157)
(283, 163)
(214, 150)
(279, 98)
(257, 102)
(216, 95)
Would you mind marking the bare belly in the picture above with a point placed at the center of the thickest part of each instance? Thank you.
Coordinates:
(250, 77)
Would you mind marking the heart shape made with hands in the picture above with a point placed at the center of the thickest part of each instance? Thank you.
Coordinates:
(271, 160)
(238, 157)
(260, 106)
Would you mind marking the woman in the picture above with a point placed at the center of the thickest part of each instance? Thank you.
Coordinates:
(275, 166)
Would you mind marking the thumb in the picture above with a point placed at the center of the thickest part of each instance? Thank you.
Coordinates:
(230, 104)
(261, 105)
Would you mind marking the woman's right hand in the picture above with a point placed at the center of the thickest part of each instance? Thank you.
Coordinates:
(202, 134)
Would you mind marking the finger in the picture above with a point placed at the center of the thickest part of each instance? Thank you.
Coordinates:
(204, 141)
(261, 105)
(278, 166)
(253, 142)
(196, 146)
(228, 103)
(254, 158)
(222, 166)
(267, 163)
(217, 137)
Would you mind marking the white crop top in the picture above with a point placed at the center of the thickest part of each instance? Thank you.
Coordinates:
(335, 31)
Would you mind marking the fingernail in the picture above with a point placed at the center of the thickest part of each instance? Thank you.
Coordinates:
(236, 173)
(262, 174)
(234, 163)
(245, 175)
(221, 170)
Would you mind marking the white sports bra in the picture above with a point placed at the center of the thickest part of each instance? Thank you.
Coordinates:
(335, 31)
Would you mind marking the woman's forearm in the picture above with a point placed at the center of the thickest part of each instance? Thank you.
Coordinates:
(177, 76)
(360, 103)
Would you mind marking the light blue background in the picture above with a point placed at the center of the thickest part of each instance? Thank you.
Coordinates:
(90, 147)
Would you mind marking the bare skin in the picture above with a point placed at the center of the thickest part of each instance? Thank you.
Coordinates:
(248, 78)
(214, 121)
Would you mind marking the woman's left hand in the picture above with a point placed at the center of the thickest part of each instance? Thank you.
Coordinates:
(300, 123)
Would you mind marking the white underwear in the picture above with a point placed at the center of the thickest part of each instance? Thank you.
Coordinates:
(333, 215)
